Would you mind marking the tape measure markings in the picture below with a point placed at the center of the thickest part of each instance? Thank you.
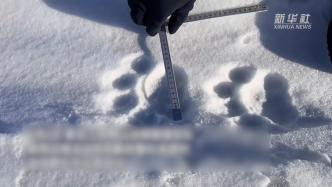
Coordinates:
(227, 12)
(175, 101)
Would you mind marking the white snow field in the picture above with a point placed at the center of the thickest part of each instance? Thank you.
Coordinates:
(83, 62)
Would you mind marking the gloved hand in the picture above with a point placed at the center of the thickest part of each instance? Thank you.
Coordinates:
(153, 13)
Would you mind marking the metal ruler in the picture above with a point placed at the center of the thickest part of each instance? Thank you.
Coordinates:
(174, 95)
(227, 12)
(169, 72)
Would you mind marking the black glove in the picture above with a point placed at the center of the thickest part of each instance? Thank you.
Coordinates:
(153, 13)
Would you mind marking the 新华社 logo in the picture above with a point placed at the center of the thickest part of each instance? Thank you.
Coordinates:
(292, 22)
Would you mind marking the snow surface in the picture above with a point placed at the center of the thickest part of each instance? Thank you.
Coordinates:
(80, 62)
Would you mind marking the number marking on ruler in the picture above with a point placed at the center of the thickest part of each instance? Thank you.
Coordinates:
(175, 101)
(227, 12)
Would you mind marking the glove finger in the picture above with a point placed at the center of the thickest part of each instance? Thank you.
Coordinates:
(179, 17)
(175, 22)
(153, 27)
(137, 14)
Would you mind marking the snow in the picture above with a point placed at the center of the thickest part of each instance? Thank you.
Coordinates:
(84, 62)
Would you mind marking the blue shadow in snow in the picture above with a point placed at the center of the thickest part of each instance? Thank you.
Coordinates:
(306, 47)
(109, 12)
(7, 128)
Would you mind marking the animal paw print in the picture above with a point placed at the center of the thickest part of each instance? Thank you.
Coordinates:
(158, 108)
(137, 91)
(259, 103)
(231, 89)
(256, 97)
(119, 87)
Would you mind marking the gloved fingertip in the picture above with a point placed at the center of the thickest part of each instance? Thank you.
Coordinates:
(179, 17)
(153, 27)
(175, 23)
(152, 31)
(173, 30)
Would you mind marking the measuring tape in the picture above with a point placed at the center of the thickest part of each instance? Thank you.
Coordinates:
(227, 12)
(175, 101)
